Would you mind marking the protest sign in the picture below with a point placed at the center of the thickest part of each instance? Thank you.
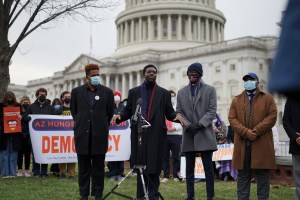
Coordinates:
(52, 139)
(224, 152)
(11, 121)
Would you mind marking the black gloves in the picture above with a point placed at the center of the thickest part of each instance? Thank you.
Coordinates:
(192, 129)
(26, 119)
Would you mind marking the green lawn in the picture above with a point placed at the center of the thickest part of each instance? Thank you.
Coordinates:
(56, 189)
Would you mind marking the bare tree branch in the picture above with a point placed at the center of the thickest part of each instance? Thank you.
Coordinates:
(19, 12)
(21, 36)
(14, 8)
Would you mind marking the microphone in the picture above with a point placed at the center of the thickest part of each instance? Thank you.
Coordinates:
(138, 107)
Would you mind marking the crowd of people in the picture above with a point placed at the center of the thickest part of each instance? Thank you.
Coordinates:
(185, 125)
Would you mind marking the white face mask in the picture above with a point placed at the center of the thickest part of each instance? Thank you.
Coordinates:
(117, 98)
(173, 100)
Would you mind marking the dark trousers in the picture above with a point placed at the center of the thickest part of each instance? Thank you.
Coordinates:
(25, 152)
(152, 184)
(116, 168)
(39, 169)
(91, 166)
(244, 178)
(172, 144)
(206, 157)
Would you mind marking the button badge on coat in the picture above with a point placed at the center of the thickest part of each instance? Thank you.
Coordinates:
(97, 98)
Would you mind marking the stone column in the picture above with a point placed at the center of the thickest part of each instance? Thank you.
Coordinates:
(213, 29)
(207, 30)
(130, 80)
(117, 82)
(189, 28)
(159, 27)
(198, 28)
(138, 78)
(65, 86)
(107, 80)
(140, 29)
(69, 86)
(149, 28)
(169, 27)
(132, 31)
(222, 32)
(126, 33)
(118, 35)
(144, 35)
(123, 83)
(82, 81)
(179, 28)
(218, 31)
(121, 34)
(59, 89)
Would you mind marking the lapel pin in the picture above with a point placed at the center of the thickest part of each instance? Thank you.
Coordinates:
(97, 97)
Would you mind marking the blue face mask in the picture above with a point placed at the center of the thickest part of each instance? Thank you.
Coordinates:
(95, 80)
(250, 85)
(56, 107)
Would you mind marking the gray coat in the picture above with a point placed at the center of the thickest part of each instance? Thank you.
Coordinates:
(203, 112)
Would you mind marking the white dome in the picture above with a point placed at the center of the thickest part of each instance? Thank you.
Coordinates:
(168, 25)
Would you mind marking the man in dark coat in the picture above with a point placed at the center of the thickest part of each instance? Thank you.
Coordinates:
(156, 106)
(292, 127)
(92, 107)
(41, 106)
(197, 102)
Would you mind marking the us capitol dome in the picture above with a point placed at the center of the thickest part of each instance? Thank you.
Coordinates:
(166, 25)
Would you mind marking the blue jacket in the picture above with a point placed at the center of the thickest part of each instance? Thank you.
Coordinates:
(285, 69)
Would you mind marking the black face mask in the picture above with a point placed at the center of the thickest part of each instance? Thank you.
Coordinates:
(67, 100)
(10, 102)
(42, 98)
(25, 105)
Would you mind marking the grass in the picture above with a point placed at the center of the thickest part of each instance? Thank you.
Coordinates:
(53, 188)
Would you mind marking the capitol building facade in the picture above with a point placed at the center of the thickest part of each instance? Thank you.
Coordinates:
(172, 34)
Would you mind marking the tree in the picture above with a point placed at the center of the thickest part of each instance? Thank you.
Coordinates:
(39, 14)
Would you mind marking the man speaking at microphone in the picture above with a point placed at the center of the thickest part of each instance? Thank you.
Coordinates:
(155, 107)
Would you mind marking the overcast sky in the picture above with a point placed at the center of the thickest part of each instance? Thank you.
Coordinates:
(47, 51)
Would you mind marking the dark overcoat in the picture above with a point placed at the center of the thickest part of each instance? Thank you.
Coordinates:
(291, 123)
(154, 136)
(95, 118)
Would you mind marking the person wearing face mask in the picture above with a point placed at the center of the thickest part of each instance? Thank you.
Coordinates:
(252, 115)
(41, 106)
(10, 143)
(116, 168)
(56, 103)
(173, 143)
(92, 108)
(25, 152)
(65, 97)
(156, 106)
(197, 102)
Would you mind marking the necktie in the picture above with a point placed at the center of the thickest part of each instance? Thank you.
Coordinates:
(193, 87)
(251, 98)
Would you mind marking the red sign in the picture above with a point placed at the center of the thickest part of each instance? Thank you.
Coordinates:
(11, 120)
(169, 125)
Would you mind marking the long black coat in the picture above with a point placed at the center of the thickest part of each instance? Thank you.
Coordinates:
(154, 136)
(95, 118)
(291, 123)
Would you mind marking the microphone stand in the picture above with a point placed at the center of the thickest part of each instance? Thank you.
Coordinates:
(142, 124)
